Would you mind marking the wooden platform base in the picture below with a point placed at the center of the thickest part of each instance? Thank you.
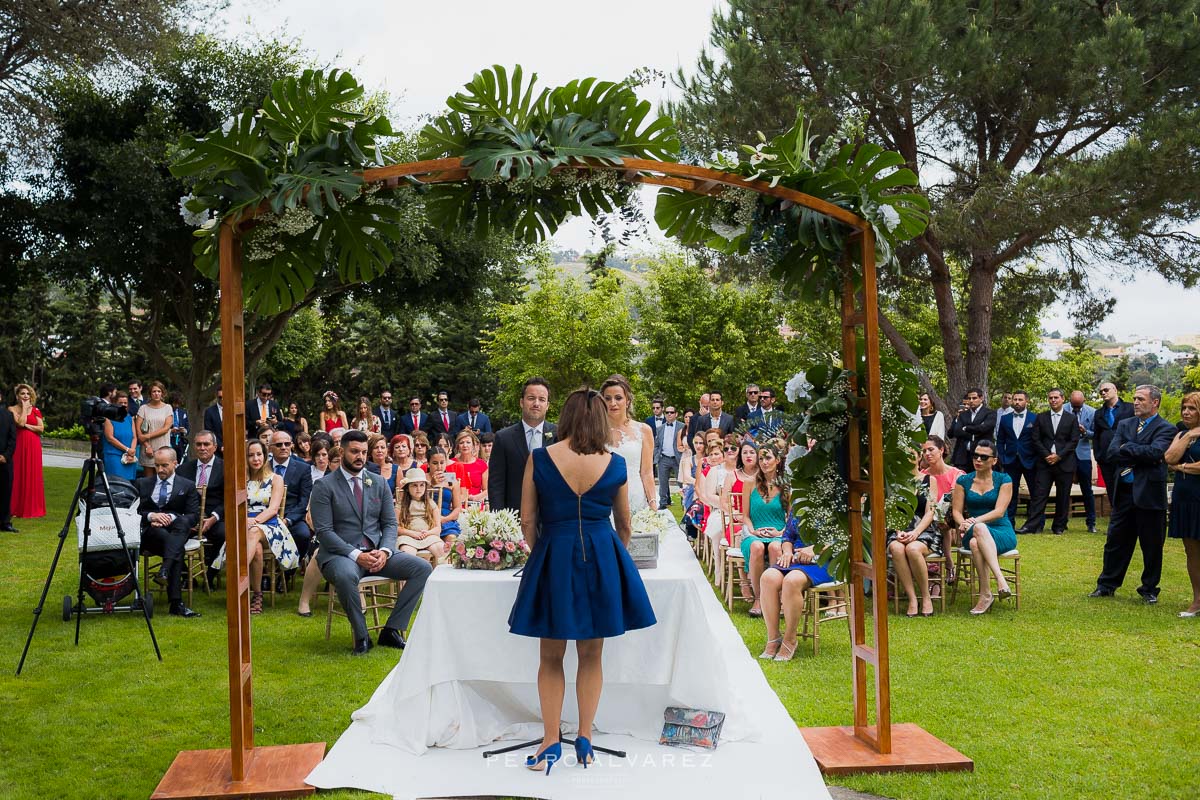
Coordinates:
(277, 771)
(839, 752)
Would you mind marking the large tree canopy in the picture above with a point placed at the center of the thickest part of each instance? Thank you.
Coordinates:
(1045, 129)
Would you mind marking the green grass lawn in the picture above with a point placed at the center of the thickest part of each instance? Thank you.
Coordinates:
(1069, 698)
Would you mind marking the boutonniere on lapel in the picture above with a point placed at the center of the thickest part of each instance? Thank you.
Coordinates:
(548, 436)
(368, 482)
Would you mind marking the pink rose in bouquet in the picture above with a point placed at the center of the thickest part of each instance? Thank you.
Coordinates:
(493, 557)
(479, 552)
(525, 546)
(461, 548)
(510, 547)
(497, 544)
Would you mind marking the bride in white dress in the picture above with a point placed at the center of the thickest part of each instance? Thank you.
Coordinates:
(632, 440)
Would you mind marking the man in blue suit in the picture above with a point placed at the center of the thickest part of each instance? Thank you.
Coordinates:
(297, 479)
(415, 419)
(1085, 417)
(474, 418)
(1139, 513)
(1014, 445)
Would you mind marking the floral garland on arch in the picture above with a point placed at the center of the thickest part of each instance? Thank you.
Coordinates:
(818, 459)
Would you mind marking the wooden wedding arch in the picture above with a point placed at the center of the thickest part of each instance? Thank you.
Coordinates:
(279, 771)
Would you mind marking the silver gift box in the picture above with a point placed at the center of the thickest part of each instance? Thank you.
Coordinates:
(644, 550)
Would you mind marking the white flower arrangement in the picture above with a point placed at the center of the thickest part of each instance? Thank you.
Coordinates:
(648, 522)
(798, 387)
(489, 540)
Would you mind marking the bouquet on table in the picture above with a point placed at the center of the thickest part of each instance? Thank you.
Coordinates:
(649, 522)
(489, 540)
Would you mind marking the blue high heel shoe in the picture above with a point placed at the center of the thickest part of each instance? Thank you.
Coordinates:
(550, 755)
(583, 751)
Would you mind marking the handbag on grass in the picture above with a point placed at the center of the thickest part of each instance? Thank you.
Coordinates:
(691, 727)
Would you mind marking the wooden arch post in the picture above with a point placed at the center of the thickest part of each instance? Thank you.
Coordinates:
(278, 771)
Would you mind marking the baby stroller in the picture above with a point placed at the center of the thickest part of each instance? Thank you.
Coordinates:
(104, 572)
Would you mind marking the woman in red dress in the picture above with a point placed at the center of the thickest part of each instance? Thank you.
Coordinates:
(28, 491)
(470, 469)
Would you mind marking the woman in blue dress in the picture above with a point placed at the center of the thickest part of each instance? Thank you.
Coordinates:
(579, 582)
(118, 441)
(1183, 457)
(980, 507)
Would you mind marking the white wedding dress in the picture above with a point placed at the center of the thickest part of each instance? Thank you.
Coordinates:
(630, 449)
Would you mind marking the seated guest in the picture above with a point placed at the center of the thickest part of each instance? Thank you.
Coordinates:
(207, 471)
(783, 584)
(470, 470)
(266, 493)
(420, 447)
(419, 518)
(319, 463)
(120, 445)
(297, 478)
(474, 418)
(303, 446)
(293, 422)
(714, 484)
(264, 437)
(331, 415)
(486, 442)
(402, 450)
(765, 503)
(909, 549)
(169, 506)
(934, 462)
(355, 544)
(442, 441)
(930, 418)
(1183, 458)
(322, 436)
(745, 472)
(377, 446)
(364, 418)
(447, 496)
(335, 459)
(980, 509)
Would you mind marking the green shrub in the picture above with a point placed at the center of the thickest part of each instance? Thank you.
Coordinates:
(76, 431)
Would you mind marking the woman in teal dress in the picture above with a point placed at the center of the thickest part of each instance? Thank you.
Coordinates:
(766, 500)
(118, 440)
(580, 582)
(980, 507)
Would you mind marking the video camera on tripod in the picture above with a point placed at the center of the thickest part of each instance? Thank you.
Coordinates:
(94, 410)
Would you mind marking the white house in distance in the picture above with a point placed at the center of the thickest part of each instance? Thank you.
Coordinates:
(1050, 349)
(1156, 348)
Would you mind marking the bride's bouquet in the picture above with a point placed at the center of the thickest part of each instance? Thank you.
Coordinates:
(489, 540)
(649, 522)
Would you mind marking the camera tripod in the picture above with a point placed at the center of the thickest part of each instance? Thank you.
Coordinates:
(91, 473)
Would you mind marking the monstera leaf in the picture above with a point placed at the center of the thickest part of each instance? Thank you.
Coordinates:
(443, 137)
(311, 106)
(659, 140)
(316, 184)
(357, 235)
(509, 153)
(240, 146)
(862, 165)
(281, 282)
(494, 95)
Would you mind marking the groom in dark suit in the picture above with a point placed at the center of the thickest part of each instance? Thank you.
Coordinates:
(355, 522)
(169, 506)
(506, 469)
(1139, 513)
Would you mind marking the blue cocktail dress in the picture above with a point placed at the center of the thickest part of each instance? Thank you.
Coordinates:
(976, 505)
(579, 581)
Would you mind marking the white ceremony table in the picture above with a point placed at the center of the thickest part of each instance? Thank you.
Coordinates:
(464, 683)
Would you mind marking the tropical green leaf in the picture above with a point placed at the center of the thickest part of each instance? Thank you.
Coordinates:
(316, 184)
(659, 140)
(311, 106)
(445, 136)
(242, 146)
(684, 216)
(281, 282)
(535, 216)
(507, 152)
(493, 95)
(574, 136)
(588, 97)
(357, 236)
(451, 206)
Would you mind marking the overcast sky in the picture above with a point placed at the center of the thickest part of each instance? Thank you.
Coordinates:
(421, 53)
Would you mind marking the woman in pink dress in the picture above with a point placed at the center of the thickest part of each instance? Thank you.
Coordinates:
(28, 491)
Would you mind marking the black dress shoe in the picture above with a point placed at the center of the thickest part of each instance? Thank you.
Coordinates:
(362, 646)
(1091, 528)
(1059, 533)
(1149, 599)
(178, 609)
(390, 637)
(1023, 529)
(8, 529)
(1098, 592)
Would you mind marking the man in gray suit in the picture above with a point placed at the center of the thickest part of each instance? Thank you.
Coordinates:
(666, 457)
(355, 523)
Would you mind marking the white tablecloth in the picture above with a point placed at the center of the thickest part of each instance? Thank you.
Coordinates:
(465, 681)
